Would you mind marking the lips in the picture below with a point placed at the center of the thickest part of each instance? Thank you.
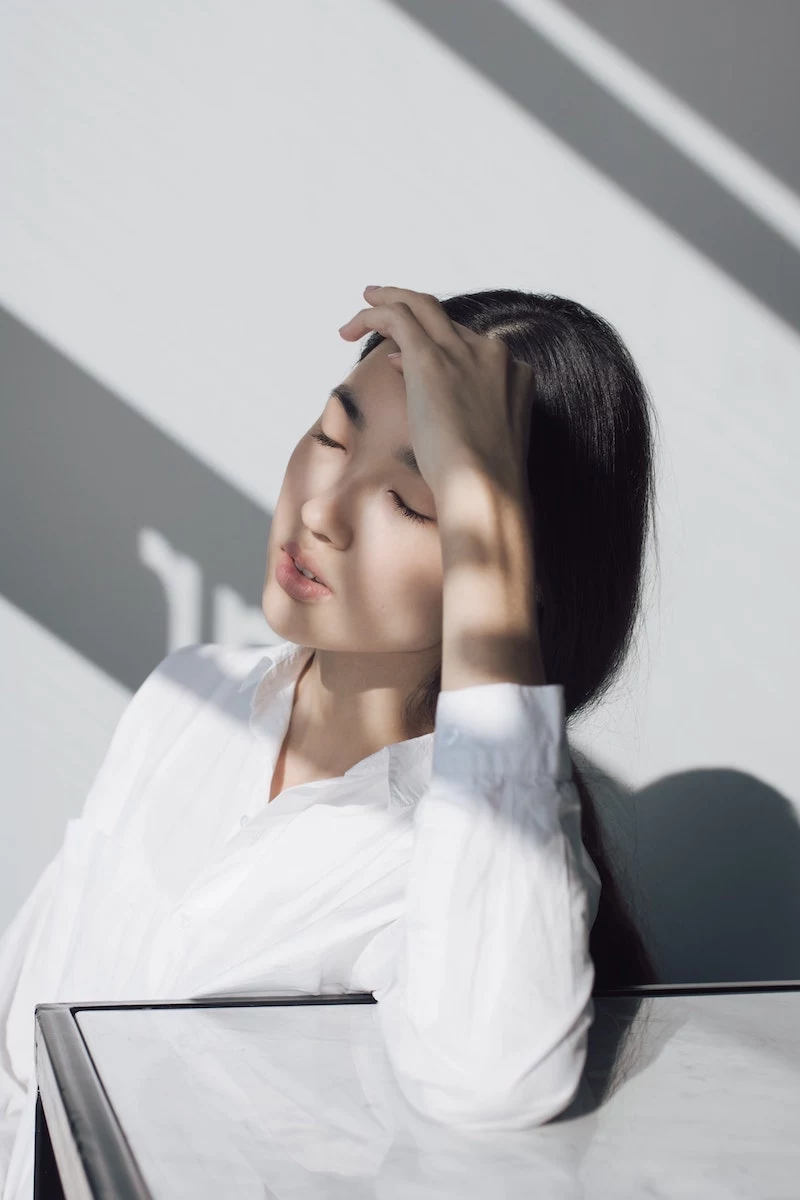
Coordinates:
(305, 561)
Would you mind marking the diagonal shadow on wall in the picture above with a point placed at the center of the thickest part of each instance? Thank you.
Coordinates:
(543, 81)
(735, 64)
(81, 475)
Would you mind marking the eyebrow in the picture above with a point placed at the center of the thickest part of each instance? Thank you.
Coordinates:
(355, 414)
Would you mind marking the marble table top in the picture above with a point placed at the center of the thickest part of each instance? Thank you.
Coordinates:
(684, 1095)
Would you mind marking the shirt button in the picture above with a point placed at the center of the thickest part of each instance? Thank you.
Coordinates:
(184, 920)
(243, 820)
(450, 736)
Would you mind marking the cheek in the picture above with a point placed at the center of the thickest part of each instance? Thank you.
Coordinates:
(406, 580)
(292, 472)
(297, 467)
(297, 486)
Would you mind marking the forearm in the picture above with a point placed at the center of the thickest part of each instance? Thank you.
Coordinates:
(490, 631)
(485, 995)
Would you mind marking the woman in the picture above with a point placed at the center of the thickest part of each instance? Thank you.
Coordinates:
(385, 801)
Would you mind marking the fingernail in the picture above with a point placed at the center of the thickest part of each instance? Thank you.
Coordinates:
(394, 354)
(371, 287)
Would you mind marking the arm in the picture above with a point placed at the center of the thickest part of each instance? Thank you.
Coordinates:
(484, 986)
(34, 944)
(17, 945)
(490, 632)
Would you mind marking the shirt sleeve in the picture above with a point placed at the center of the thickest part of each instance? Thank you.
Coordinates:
(15, 944)
(484, 985)
(33, 944)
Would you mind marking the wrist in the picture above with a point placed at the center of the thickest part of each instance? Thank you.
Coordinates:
(490, 627)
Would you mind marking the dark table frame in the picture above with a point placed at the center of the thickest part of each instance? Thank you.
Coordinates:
(81, 1152)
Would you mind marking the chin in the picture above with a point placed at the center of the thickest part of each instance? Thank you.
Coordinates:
(282, 615)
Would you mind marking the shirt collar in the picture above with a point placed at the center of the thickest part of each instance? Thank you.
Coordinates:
(405, 766)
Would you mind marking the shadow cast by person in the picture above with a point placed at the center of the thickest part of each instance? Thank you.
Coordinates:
(710, 858)
(717, 860)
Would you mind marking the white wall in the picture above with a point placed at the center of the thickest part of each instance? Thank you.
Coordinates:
(193, 197)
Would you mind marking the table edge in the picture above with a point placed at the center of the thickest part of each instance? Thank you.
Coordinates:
(89, 1145)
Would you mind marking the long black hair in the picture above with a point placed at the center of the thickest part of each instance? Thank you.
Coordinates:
(592, 485)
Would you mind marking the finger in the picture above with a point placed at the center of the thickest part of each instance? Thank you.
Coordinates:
(395, 321)
(427, 309)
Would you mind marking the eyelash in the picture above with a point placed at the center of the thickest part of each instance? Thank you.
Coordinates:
(416, 517)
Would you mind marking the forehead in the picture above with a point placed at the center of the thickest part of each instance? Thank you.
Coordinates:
(373, 399)
(377, 390)
(376, 372)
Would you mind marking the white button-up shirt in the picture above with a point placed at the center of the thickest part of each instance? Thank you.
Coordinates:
(445, 874)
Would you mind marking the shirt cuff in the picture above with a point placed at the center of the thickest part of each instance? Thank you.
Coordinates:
(497, 730)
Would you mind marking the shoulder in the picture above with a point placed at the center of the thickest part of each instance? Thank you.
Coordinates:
(187, 679)
(208, 664)
(188, 689)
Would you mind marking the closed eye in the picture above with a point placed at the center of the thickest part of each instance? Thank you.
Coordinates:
(418, 518)
(326, 441)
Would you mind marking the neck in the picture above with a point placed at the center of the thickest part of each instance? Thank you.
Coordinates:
(347, 705)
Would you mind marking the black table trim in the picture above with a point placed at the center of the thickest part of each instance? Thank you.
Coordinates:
(92, 1153)
(701, 989)
(642, 990)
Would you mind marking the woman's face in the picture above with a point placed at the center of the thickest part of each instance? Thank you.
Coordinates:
(340, 505)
